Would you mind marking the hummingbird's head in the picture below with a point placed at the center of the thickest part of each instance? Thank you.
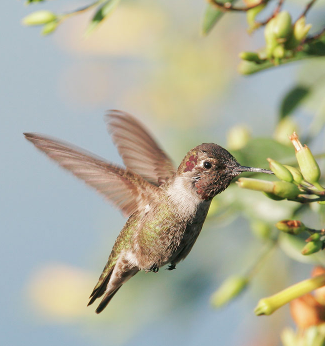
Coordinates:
(211, 169)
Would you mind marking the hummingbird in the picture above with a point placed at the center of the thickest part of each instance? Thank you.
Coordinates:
(166, 207)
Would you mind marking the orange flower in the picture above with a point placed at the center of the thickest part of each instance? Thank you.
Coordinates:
(306, 311)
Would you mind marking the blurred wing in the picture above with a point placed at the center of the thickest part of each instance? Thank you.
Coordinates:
(139, 151)
(126, 190)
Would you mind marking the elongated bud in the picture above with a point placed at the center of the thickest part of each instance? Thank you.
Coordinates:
(256, 184)
(270, 38)
(50, 27)
(281, 189)
(251, 15)
(267, 306)
(269, 30)
(311, 247)
(285, 190)
(273, 196)
(280, 171)
(296, 174)
(250, 56)
(291, 226)
(279, 51)
(314, 245)
(229, 290)
(39, 18)
(313, 237)
(300, 29)
(320, 292)
(307, 163)
(283, 26)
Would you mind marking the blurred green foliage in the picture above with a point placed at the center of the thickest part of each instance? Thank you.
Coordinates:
(190, 65)
(286, 41)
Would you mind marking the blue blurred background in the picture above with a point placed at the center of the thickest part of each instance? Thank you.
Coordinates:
(148, 59)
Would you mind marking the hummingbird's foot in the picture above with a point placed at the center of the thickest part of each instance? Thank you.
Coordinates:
(171, 267)
(154, 268)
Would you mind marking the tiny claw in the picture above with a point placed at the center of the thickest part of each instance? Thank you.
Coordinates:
(154, 268)
(171, 267)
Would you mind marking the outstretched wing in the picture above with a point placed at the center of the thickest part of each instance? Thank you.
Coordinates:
(126, 190)
(139, 151)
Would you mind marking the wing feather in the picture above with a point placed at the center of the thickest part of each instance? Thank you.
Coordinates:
(139, 151)
(125, 189)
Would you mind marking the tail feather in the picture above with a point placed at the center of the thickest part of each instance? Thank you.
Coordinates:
(107, 298)
(100, 288)
(110, 282)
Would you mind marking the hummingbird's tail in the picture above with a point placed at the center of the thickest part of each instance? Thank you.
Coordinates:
(111, 280)
(101, 286)
(107, 298)
(113, 287)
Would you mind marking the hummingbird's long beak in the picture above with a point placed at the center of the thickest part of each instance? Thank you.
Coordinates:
(241, 169)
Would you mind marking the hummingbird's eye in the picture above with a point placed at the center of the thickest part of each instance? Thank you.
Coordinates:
(207, 164)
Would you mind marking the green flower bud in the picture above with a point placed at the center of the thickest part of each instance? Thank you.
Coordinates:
(280, 171)
(273, 196)
(267, 306)
(270, 48)
(251, 15)
(246, 67)
(300, 29)
(269, 30)
(229, 289)
(314, 245)
(307, 163)
(282, 27)
(50, 27)
(270, 38)
(285, 190)
(314, 237)
(256, 184)
(39, 18)
(279, 52)
(291, 226)
(281, 189)
(297, 176)
(250, 56)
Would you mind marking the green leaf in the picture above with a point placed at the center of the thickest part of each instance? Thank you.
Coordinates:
(103, 12)
(293, 99)
(309, 50)
(211, 16)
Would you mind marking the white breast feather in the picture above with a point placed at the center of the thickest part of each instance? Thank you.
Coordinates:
(184, 196)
